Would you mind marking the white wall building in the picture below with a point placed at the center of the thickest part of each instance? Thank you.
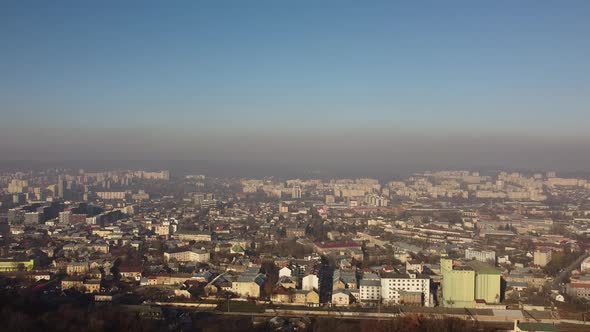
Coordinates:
(370, 288)
(187, 256)
(310, 281)
(480, 255)
(285, 272)
(393, 283)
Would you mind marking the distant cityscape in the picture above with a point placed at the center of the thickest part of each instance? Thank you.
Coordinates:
(508, 250)
(294, 166)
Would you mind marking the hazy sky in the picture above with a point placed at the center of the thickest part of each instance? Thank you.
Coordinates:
(235, 79)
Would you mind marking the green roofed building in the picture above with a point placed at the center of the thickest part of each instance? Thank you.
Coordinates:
(487, 282)
(463, 285)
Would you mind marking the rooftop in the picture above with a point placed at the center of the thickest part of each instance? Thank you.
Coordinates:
(483, 268)
(537, 327)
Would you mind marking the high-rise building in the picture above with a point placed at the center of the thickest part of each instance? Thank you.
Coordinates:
(296, 192)
(64, 217)
(61, 186)
(15, 216)
(33, 218)
(18, 186)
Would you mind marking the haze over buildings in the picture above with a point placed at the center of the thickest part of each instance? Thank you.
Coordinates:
(294, 165)
(316, 85)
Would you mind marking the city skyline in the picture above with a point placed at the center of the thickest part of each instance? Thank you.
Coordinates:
(294, 166)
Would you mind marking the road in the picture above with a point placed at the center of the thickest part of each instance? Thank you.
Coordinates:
(566, 272)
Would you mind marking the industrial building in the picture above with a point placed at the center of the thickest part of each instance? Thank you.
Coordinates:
(463, 285)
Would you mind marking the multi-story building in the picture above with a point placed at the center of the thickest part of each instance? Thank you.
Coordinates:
(61, 186)
(64, 217)
(296, 192)
(579, 287)
(15, 216)
(112, 195)
(370, 288)
(307, 297)
(91, 285)
(14, 265)
(169, 279)
(249, 283)
(33, 218)
(77, 268)
(486, 256)
(310, 281)
(341, 297)
(185, 235)
(72, 282)
(17, 186)
(458, 285)
(394, 285)
(542, 257)
(162, 229)
(375, 200)
(187, 256)
(161, 175)
(295, 232)
(463, 285)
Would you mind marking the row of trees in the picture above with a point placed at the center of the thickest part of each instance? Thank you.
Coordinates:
(560, 260)
(402, 324)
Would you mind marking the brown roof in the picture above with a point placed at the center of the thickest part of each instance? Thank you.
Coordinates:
(130, 269)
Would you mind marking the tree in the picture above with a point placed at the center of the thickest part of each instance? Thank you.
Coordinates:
(269, 268)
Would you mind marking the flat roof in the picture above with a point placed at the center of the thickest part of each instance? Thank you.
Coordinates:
(537, 327)
(483, 268)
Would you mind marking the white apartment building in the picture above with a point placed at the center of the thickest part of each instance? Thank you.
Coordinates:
(480, 255)
(296, 192)
(370, 288)
(542, 257)
(310, 282)
(394, 284)
(112, 195)
(185, 256)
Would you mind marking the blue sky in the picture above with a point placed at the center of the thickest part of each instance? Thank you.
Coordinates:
(367, 84)
(494, 66)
